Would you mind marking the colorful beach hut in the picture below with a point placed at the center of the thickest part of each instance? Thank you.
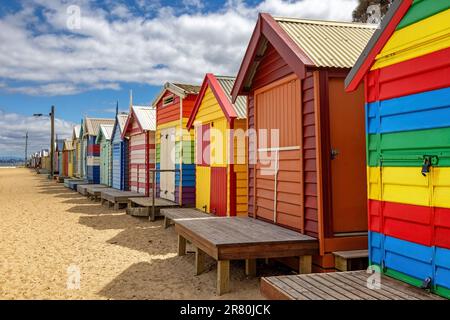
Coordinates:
(104, 141)
(219, 131)
(59, 167)
(77, 150)
(406, 72)
(119, 154)
(174, 144)
(91, 128)
(140, 132)
(306, 159)
(68, 151)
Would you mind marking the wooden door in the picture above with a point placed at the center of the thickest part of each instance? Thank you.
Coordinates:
(348, 159)
(279, 169)
(218, 200)
(167, 155)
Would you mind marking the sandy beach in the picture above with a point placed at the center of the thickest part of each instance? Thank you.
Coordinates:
(48, 231)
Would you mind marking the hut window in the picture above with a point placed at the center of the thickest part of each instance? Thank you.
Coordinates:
(168, 100)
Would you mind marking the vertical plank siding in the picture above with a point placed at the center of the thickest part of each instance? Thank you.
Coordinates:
(309, 157)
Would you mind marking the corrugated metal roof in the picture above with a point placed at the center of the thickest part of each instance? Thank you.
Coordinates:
(122, 119)
(106, 130)
(92, 125)
(146, 117)
(68, 145)
(240, 107)
(328, 43)
(188, 88)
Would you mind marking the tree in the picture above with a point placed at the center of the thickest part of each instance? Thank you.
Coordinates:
(371, 11)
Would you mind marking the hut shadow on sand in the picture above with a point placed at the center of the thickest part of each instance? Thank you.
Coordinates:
(166, 275)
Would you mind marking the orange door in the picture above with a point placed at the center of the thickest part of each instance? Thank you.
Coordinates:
(279, 174)
(348, 159)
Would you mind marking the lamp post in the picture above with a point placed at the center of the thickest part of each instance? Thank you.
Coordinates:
(52, 139)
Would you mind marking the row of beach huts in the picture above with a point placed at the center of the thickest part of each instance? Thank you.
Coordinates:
(359, 166)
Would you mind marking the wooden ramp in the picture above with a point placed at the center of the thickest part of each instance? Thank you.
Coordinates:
(174, 214)
(117, 198)
(242, 238)
(350, 285)
(143, 207)
(82, 188)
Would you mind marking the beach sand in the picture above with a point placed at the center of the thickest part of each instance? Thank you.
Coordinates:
(48, 232)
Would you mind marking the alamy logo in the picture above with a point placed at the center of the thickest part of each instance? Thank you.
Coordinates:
(73, 17)
(374, 280)
(374, 14)
(73, 277)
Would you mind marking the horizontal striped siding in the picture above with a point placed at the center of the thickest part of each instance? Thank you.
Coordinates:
(422, 9)
(421, 38)
(407, 185)
(425, 225)
(408, 119)
(408, 148)
(412, 260)
(426, 73)
(425, 110)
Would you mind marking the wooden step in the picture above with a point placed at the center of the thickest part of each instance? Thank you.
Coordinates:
(343, 259)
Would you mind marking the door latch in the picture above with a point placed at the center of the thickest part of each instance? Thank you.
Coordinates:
(334, 154)
(426, 166)
(428, 162)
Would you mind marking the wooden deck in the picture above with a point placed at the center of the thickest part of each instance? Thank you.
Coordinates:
(117, 198)
(350, 285)
(67, 182)
(95, 192)
(82, 188)
(174, 214)
(73, 184)
(143, 207)
(60, 179)
(242, 238)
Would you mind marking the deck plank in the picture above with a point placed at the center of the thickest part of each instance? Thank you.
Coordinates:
(242, 230)
(341, 285)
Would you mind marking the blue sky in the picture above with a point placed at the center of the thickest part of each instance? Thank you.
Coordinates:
(84, 63)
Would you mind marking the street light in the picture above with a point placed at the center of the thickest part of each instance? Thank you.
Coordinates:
(52, 139)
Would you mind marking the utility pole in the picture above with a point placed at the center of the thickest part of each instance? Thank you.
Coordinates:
(26, 148)
(52, 140)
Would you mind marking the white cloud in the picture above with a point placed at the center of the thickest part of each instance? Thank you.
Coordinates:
(118, 46)
(14, 127)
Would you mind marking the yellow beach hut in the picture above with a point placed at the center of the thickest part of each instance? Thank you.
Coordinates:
(219, 132)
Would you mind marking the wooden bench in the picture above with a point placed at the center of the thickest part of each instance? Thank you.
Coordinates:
(142, 207)
(171, 215)
(343, 260)
(350, 285)
(116, 198)
(242, 238)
